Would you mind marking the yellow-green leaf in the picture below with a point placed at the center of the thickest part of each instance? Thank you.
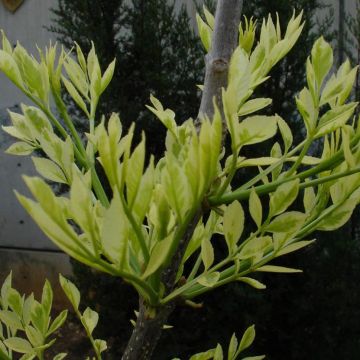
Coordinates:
(9, 67)
(233, 224)
(277, 269)
(20, 148)
(159, 256)
(288, 222)
(247, 339)
(207, 252)
(71, 291)
(254, 105)
(283, 197)
(49, 170)
(19, 345)
(294, 247)
(252, 282)
(256, 129)
(209, 280)
(255, 207)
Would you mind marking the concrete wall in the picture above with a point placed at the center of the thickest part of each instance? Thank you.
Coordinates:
(27, 26)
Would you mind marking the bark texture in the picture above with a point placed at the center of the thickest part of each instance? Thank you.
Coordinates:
(150, 322)
(224, 42)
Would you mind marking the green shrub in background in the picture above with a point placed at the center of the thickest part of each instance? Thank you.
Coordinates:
(155, 229)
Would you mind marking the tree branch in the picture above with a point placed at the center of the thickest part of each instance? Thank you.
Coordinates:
(224, 42)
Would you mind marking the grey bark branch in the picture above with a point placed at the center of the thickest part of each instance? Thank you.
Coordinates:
(148, 327)
(224, 42)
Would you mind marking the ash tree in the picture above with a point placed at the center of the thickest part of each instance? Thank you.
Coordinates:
(156, 50)
(155, 230)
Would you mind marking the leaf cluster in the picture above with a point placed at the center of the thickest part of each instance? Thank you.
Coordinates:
(158, 211)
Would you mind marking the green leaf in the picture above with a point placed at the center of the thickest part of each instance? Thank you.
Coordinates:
(334, 119)
(15, 301)
(218, 355)
(47, 297)
(177, 190)
(207, 252)
(209, 17)
(39, 317)
(337, 216)
(255, 247)
(205, 32)
(207, 355)
(58, 322)
(9, 67)
(322, 60)
(28, 303)
(239, 82)
(20, 148)
(144, 193)
(167, 117)
(259, 357)
(71, 291)
(75, 95)
(60, 356)
(277, 269)
(100, 345)
(134, 172)
(7, 47)
(10, 319)
(256, 129)
(288, 222)
(247, 339)
(285, 133)
(306, 107)
(115, 233)
(254, 105)
(59, 231)
(309, 199)
(233, 224)
(108, 75)
(19, 345)
(233, 345)
(283, 197)
(294, 247)
(90, 319)
(255, 207)
(209, 280)
(159, 256)
(34, 335)
(346, 134)
(252, 282)
(49, 170)
(4, 352)
(77, 76)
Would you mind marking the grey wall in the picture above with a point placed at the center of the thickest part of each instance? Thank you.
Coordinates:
(26, 25)
(16, 228)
